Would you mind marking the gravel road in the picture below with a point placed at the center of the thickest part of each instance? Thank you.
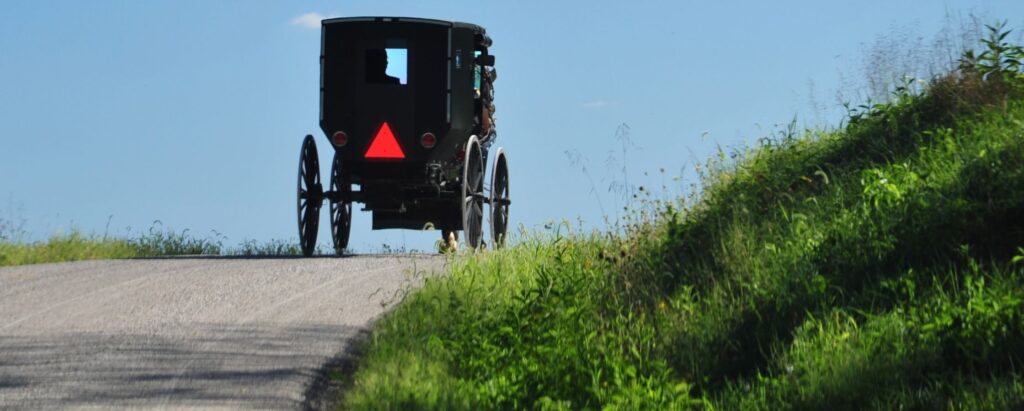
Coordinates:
(183, 333)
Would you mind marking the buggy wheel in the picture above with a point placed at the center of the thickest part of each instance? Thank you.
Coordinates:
(499, 199)
(473, 194)
(310, 196)
(341, 210)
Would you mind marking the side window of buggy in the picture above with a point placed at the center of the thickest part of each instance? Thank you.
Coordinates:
(476, 73)
(387, 66)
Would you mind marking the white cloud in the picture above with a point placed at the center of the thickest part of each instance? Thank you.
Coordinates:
(309, 20)
(598, 104)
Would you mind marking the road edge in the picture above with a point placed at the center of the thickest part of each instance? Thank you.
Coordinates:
(326, 392)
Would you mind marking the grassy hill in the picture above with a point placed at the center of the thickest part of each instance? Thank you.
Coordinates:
(878, 266)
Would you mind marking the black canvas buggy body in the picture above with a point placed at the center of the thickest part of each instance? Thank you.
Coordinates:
(407, 105)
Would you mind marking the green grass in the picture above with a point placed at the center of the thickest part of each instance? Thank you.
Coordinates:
(59, 248)
(157, 242)
(74, 246)
(879, 266)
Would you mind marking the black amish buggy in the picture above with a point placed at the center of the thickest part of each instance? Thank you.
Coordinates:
(407, 105)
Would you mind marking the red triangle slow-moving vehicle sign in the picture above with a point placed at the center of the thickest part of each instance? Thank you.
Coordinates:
(384, 145)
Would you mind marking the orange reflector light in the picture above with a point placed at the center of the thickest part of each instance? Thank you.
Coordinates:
(385, 145)
(340, 139)
(428, 140)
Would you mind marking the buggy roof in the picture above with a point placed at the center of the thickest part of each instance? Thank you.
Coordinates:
(456, 24)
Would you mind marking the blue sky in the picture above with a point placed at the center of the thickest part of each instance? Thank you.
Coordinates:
(192, 112)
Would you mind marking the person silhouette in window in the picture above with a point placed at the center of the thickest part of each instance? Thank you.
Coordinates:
(376, 67)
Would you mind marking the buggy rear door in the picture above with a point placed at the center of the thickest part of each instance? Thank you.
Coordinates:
(358, 95)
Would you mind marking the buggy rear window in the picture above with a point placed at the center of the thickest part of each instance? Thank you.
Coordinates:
(387, 66)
